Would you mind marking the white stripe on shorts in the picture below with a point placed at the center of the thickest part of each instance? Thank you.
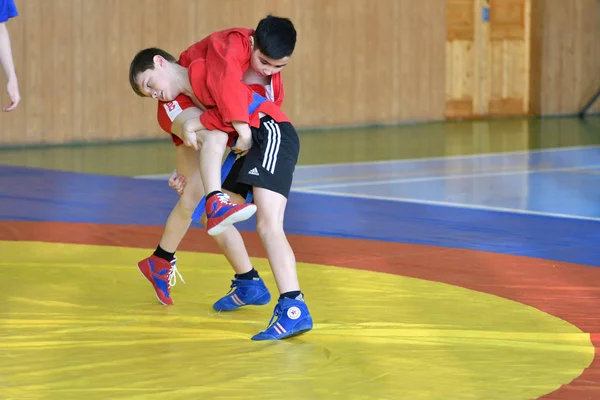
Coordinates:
(273, 143)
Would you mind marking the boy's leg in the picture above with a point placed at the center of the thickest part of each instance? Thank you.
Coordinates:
(269, 168)
(160, 266)
(269, 225)
(212, 150)
(187, 162)
(219, 211)
(247, 288)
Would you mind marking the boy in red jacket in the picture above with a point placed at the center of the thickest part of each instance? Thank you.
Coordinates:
(216, 71)
(237, 55)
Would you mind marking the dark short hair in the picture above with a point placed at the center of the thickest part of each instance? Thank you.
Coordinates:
(275, 37)
(143, 61)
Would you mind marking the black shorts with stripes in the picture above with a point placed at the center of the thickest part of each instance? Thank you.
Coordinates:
(271, 161)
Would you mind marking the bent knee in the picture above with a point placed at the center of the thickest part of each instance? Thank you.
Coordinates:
(213, 138)
(190, 198)
(268, 225)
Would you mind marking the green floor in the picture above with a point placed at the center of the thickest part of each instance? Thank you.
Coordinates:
(332, 146)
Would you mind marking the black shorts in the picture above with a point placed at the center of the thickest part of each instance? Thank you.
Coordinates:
(271, 161)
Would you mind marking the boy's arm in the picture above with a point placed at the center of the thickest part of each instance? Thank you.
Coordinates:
(225, 61)
(8, 65)
(211, 120)
(185, 126)
(189, 114)
(176, 181)
(181, 115)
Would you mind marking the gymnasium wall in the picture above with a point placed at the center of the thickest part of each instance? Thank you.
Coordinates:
(357, 61)
(570, 55)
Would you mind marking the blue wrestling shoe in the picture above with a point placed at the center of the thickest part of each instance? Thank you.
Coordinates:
(244, 292)
(290, 318)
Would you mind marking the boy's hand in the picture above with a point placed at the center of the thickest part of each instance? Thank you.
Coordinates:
(189, 136)
(242, 145)
(12, 88)
(177, 182)
(244, 140)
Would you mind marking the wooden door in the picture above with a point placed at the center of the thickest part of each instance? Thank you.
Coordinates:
(487, 57)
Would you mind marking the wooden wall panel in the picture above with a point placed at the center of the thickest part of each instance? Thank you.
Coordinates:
(356, 62)
(487, 64)
(509, 47)
(570, 55)
(461, 57)
(539, 57)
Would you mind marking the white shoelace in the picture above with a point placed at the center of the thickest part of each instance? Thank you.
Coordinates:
(173, 273)
(225, 197)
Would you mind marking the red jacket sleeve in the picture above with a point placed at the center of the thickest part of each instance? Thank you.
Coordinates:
(226, 60)
(212, 119)
(168, 111)
(277, 83)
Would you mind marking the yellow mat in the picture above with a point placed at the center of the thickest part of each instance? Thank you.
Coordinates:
(80, 322)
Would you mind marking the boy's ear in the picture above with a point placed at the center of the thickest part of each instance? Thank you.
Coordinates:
(159, 61)
(252, 43)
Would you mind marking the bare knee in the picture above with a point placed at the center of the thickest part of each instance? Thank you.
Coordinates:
(189, 200)
(271, 209)
(224, 240)
(268, 225)
(213, 138)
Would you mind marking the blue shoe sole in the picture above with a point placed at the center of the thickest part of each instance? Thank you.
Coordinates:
(302, 327)
(261, 301)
